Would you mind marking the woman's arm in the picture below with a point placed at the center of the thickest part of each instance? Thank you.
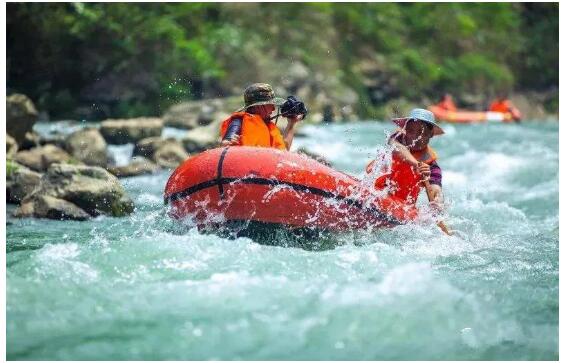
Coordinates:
(404, 153)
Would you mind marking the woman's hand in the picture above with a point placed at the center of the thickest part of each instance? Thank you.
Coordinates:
(424, 170)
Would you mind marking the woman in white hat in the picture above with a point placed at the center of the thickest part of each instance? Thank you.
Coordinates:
(413, 160)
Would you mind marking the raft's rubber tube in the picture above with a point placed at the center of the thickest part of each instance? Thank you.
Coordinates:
(468, 117)
(242, 183)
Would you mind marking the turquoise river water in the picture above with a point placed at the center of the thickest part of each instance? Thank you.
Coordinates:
(135, 289)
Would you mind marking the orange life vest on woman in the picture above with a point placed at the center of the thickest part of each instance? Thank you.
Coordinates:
(255, 131)
(402, 179)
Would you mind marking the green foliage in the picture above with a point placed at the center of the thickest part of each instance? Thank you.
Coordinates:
(11, 167)
(138, 58)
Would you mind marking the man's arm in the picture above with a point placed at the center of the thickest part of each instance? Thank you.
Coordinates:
(289, 131)
(232, 135)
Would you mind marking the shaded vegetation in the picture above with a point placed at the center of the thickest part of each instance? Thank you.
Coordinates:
(129, 59)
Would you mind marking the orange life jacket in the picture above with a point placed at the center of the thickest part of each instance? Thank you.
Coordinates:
(255, 131)
(505, 106)
(403, 181)
(500, 106)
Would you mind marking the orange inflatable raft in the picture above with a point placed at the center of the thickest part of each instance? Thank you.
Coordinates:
(274, 187)
(467, 117)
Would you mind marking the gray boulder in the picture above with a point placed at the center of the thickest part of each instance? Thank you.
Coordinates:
(11, 146)
(131, 130)
(202, 138)
(20, 181)
(45, 206)
(189, 115)
(183, 116)
(20, 116)
(87, 146)
(31, 140)
(168, 153)
(138, 166)
(91, 189)
(40, 158)
(147, 147)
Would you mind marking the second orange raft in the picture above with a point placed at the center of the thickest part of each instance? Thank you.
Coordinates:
(242, 184)
(469, 117)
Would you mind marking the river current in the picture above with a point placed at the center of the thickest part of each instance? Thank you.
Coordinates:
(137, 288)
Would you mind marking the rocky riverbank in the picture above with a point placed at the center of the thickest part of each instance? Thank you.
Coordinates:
(75, 175)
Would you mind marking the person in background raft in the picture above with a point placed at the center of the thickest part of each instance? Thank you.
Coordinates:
(413, 160)
(503, 105)
(447, 103)
(252, 125)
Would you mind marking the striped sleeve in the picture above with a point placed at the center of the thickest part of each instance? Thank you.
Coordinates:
(435, 174)
(233, 129)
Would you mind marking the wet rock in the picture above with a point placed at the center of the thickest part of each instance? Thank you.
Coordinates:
(20, 116)
(88, 188)
(147, 147)
(40, 158)
(87, 146)
(52, 208)
(131, 130)
(31, 140)
(138, 166)
(197, 142)
(168, 153)
(189, 115)
(11, 146)
(209, 112)
(20, 181)
(203, 138)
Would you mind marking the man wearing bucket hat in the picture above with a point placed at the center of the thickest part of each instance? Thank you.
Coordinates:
(413, 160)
(252, 124)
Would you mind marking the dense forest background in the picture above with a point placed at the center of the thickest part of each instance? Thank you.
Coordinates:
(98, 60)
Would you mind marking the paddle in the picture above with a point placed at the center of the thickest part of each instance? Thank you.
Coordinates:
(440, 224)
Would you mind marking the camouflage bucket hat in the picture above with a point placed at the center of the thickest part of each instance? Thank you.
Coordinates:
(260, 94)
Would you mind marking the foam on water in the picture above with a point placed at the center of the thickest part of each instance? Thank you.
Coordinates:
(141, 288)
(121, 154)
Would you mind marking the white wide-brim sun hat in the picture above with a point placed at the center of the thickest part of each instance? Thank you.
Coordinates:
(421, 115)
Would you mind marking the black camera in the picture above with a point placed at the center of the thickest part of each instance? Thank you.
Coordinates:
(293, 107)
